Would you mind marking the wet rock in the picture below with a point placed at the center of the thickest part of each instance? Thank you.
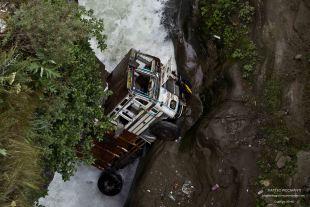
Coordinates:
(282, 161)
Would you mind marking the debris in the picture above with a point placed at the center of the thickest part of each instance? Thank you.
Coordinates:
(148, 190)
(298, 57)
(188, 188)
(260, 192)
(215, 187)
(171, 196)
(217, 37)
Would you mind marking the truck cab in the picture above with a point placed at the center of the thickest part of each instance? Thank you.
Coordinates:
(143, 92)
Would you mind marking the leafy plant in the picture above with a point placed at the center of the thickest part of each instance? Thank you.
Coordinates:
(229, 19)
(51, 93)
(43, 71)
(69, 115)
(50, 29)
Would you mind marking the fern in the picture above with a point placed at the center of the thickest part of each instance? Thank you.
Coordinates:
(49, 73)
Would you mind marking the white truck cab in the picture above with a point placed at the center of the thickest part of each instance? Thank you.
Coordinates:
(144, 91)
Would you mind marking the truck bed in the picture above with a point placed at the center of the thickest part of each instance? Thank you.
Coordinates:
(114, 152)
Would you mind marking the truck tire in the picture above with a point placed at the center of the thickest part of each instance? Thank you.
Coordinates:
(110, 183)
(165, 130)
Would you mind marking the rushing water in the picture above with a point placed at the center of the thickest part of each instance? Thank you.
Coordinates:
(128, 24)
(131, 24)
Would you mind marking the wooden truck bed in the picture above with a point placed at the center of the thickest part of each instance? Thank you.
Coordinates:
(114, 152)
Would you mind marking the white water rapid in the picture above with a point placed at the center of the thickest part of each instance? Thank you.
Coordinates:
(128, 24)
(131, 24)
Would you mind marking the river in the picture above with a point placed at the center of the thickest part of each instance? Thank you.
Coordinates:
(128, 24)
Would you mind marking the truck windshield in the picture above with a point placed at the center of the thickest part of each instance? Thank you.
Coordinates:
(146, 83)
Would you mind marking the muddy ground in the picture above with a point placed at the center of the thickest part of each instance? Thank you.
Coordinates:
(222, 126)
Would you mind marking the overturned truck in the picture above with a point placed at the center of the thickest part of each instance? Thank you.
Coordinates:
(147, 97)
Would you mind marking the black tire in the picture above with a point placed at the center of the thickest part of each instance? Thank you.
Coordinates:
(165, 130)
(110, 183)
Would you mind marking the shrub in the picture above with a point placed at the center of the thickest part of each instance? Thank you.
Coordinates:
(51, 93)
(229, 19)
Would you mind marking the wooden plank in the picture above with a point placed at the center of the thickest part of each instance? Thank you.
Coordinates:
(113, 150)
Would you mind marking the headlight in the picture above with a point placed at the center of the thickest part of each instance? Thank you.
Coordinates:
(173, 104)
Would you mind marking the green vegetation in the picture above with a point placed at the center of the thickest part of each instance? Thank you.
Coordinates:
(278, 141)
(272, 95)
(230, 19)
(51, 94)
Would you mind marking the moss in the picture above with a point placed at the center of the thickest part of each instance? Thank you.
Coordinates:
(272, 96)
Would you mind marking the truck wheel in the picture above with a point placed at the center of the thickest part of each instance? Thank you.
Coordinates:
(165, 130)
(110, 183)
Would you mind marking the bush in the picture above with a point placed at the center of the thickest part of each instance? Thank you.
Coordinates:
(229, 19)
(51, 94)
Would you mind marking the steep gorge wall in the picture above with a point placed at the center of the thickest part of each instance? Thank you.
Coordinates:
(222, 138)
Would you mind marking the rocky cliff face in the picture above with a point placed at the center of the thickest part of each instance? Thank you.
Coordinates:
(216, 162)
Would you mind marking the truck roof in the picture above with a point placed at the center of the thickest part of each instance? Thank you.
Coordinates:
(117, 83)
